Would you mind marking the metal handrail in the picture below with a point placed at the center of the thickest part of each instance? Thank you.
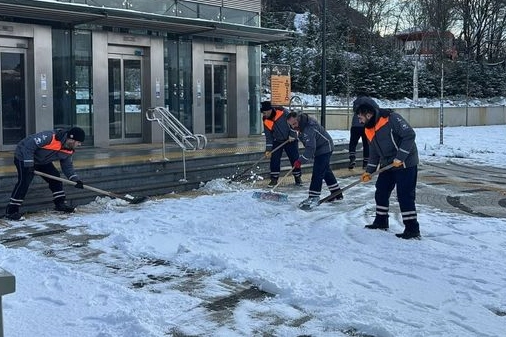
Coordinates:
(176, 130)
(292, 104)
(179, 133)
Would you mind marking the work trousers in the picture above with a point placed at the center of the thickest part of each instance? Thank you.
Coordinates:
(355, 134)
(292, 151)
(404, 179)
(25, 177)
(321, 172)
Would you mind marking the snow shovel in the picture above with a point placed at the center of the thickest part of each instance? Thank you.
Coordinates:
(271, 195)
(129, 198)
(235, 178)
(330, 196)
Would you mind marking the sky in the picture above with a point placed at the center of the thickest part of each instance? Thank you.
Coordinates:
(157, 268)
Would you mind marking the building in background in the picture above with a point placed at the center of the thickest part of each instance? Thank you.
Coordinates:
(100, 64)
(420, 44)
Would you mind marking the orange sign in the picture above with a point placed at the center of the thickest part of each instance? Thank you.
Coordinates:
(280, 89)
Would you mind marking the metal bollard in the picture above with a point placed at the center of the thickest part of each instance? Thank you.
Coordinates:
(7, 286)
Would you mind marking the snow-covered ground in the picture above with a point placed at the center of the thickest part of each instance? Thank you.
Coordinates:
(329, 275)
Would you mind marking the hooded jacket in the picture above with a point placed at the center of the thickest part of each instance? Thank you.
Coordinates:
(46, 147)
(389, 135)
(315, 138)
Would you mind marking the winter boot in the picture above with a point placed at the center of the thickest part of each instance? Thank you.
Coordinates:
(338, 196)
(298, 181)
(411, 231)
(309, 203)
(377, 226)
(273, 182)
(352, 164)
(63, 207)
(12, 213)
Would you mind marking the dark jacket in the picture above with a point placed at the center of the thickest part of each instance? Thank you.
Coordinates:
(276, 128)
(315, 138)
(46, 147)
(390, 137)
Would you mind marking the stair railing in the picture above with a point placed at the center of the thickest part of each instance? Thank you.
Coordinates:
(180, 134)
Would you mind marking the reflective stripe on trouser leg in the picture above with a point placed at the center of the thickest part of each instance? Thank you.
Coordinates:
(13, 206)
(381, 215)
(16, 202)
(58, 197)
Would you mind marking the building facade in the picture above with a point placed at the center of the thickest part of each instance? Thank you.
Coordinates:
(100, 64)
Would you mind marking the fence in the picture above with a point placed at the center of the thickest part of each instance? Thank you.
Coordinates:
(339, 118)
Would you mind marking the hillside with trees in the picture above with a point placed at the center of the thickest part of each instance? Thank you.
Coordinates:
(363, 54)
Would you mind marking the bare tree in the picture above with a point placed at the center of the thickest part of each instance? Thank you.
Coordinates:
(378, 14)
(483, 28)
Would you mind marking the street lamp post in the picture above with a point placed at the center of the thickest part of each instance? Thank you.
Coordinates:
(324, 62)
(441, 114)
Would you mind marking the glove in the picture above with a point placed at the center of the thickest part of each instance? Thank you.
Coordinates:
(365, 177)
(297, 164)
(397, 163)
(268, 154)
(291, 139)
(79, 184)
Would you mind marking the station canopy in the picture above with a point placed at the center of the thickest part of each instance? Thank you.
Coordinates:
(79, 15)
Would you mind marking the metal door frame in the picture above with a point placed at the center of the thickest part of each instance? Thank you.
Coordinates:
(214, 63)
(123, 53)
(11, 45)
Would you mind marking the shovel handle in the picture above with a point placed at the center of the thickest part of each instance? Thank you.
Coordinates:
(259, 160)
(91, 188)
(282, 178)
(347, 187)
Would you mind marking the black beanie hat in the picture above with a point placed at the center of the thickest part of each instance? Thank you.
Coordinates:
(76, 134)
(265, 106)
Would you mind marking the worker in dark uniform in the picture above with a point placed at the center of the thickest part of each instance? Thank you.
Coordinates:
(277, 131)
(357, 131)
(37, 152)
(392, 141)
(318, 148)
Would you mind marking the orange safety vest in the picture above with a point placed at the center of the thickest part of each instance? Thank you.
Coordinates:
(56, 145)
(372, 131)
(269, 123)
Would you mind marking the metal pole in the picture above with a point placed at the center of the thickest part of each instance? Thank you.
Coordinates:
(324, 62)
(441, 106)
(467, 83)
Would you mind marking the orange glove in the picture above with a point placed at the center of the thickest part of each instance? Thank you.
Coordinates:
(268, 154)
(365, 177)
(397, 163)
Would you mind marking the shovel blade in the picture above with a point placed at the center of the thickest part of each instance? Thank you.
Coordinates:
(138, 200)
(271, 196)
(134, 200)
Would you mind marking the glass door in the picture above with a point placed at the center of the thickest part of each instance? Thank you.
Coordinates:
(125, 98)
(215, 96)
(13, 95)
